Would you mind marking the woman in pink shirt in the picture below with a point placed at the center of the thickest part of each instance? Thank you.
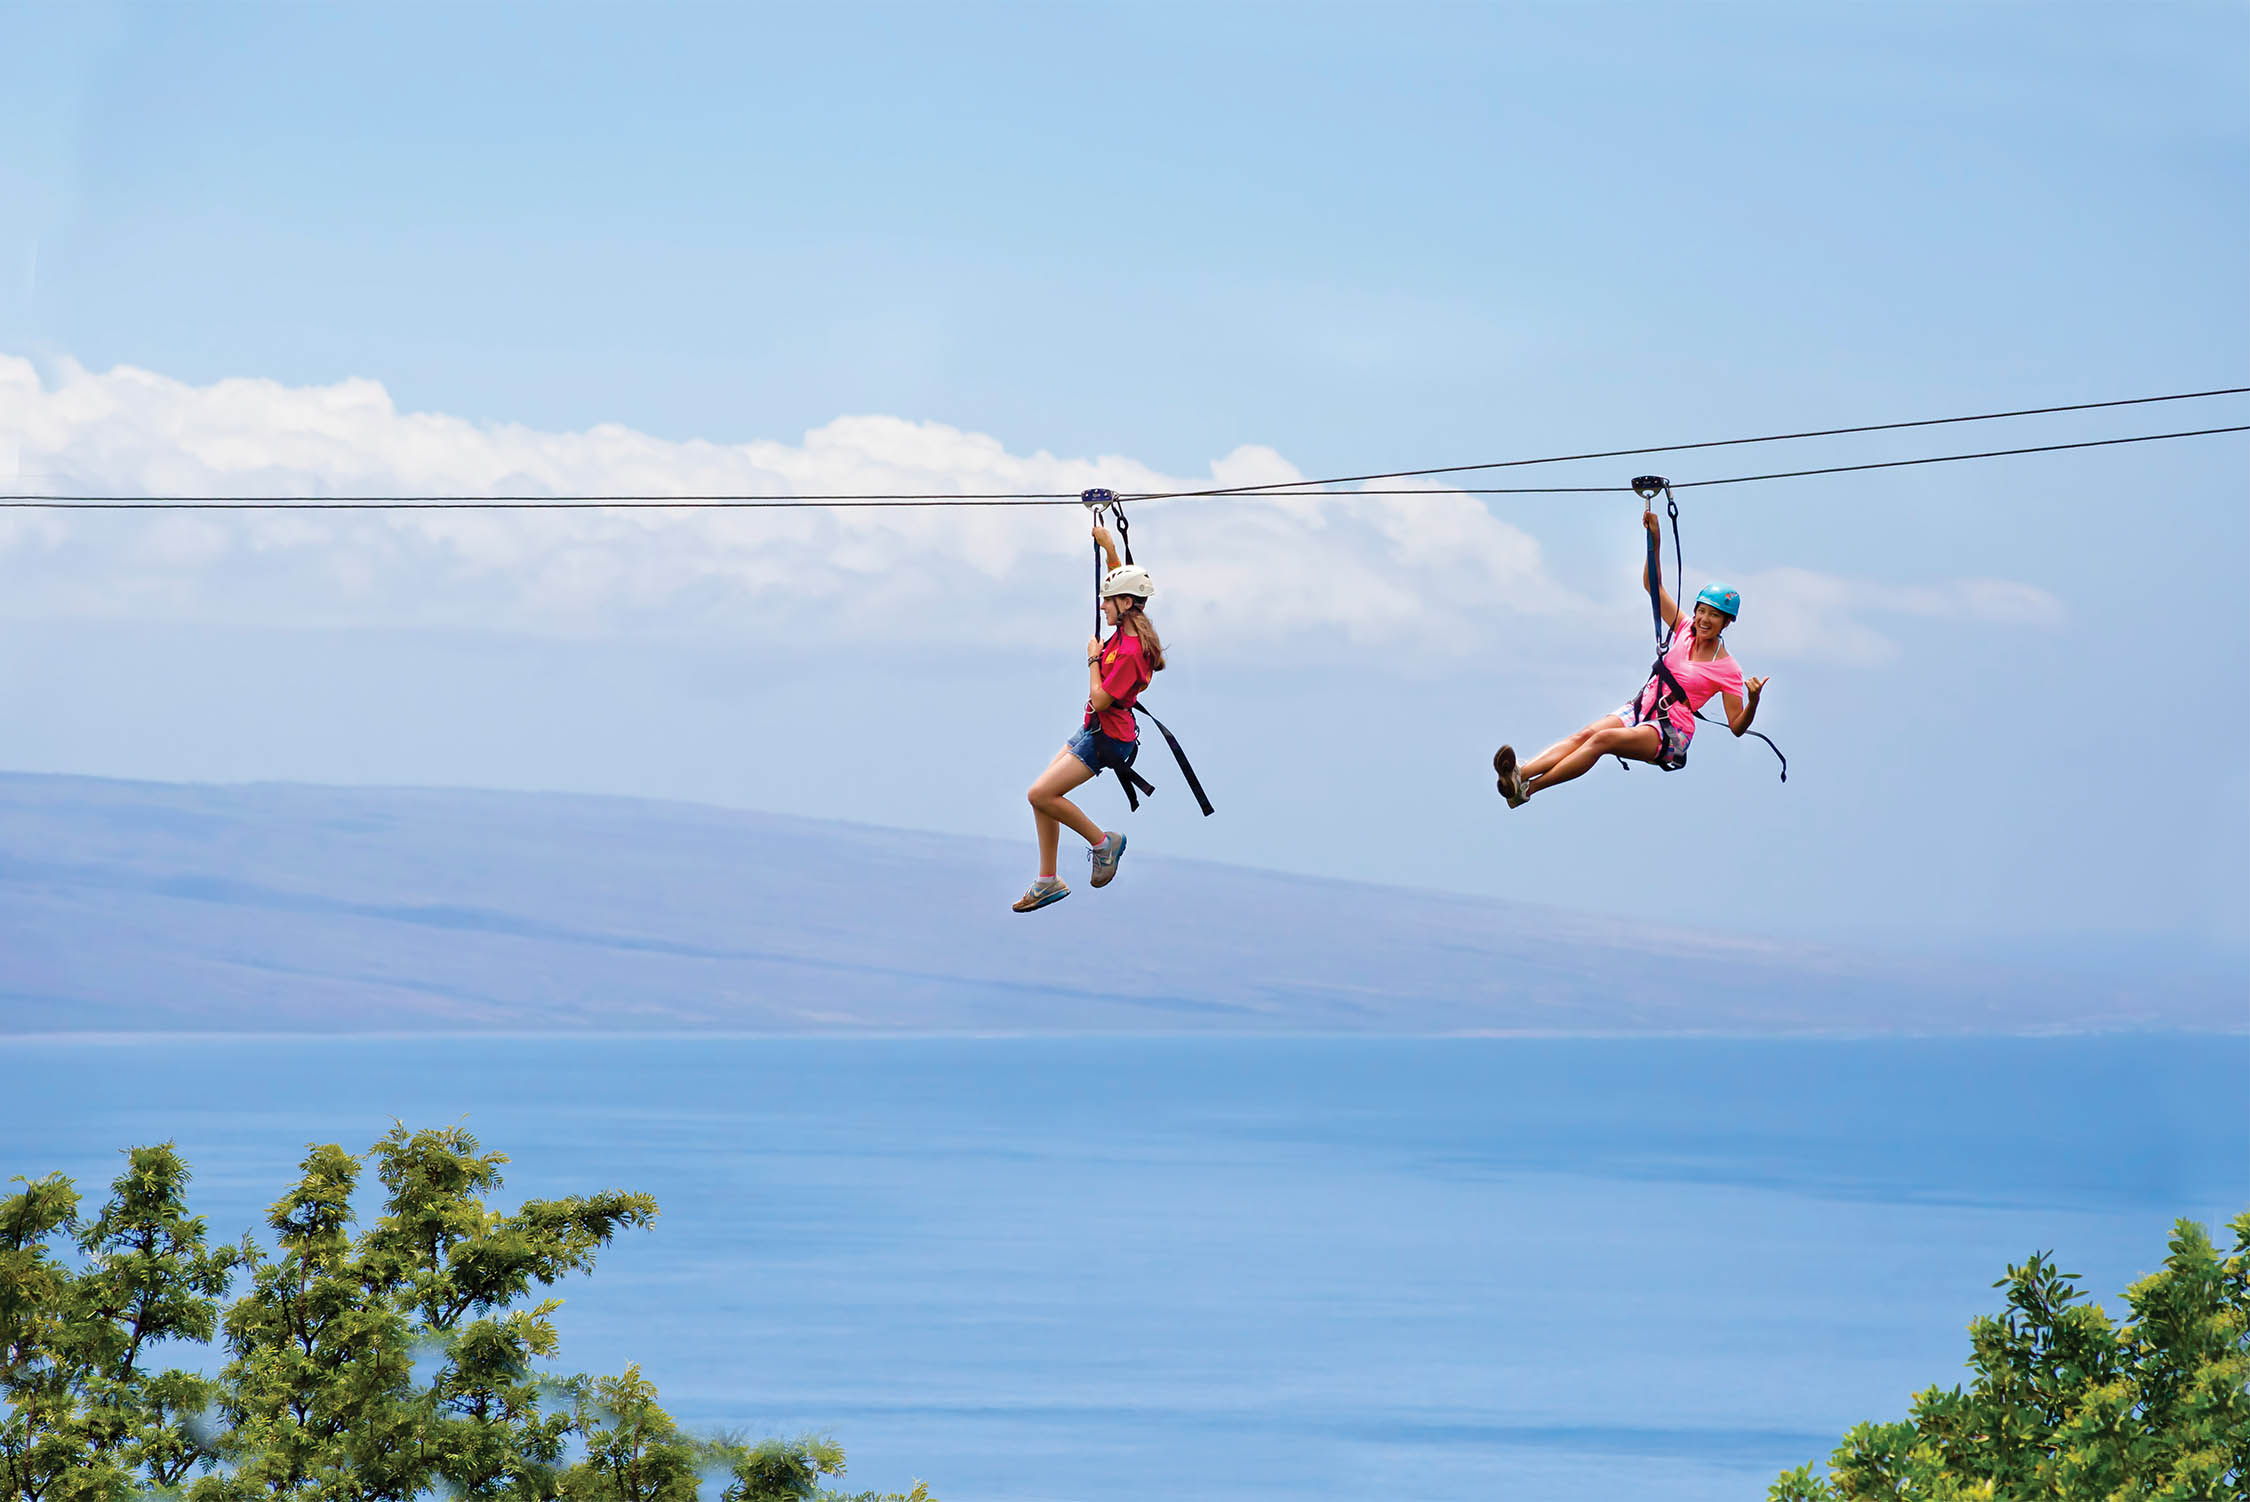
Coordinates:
(1116, 672)
(1658, 724)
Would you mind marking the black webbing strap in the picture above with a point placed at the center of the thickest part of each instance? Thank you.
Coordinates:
(1655, 569)
(1660, 672)
(1195, 785)
(1135, 784)
(1760, 734)
(1098, 501)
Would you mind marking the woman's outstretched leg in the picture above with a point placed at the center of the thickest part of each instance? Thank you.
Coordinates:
(1636, 743)
(1516, 776)
(1545, 761)
(1051, 810)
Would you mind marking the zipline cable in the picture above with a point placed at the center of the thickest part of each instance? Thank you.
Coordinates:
(653, 503)
(2044, 448)
(1787, 474)
(1713, 443)
(20, 502)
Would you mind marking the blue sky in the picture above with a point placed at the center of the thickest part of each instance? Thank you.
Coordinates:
(1333, 237)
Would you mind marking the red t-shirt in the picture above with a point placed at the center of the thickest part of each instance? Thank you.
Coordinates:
(1124, 674)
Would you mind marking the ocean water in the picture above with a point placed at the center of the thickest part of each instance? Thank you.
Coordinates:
(1117, 1270)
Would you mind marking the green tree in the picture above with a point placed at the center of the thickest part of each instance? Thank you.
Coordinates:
(2066, 1404)
(396, 1362)
(86, 1416)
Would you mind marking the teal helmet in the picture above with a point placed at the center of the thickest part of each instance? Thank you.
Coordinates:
(1722, 599)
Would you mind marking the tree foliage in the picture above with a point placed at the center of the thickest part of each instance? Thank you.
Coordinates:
(400, 1361)
(2066, 1404)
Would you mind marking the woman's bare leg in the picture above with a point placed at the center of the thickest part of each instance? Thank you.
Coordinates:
(1637, 743)
(1050, 810)
(1541, 764)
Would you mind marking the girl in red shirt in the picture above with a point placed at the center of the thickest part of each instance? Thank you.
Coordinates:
(1657, 725)
(1116, 672)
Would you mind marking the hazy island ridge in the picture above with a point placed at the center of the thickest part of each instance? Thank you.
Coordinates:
(138, 907)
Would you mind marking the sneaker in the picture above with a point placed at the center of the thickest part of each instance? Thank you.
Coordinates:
(1511, 784)
(1041, 892)
(1106, 856)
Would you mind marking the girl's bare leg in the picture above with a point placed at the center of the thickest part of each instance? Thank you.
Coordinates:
(1639, 743)
(1050, 810)
(1541, 764)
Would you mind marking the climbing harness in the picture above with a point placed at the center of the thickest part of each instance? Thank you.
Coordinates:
(1100, 502)
(1669, 692)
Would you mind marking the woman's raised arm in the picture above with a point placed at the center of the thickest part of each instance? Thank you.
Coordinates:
(1655, 530)
(1740, 712)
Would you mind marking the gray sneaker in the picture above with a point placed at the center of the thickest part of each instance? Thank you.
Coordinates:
(1105, 859)
(1041, 892)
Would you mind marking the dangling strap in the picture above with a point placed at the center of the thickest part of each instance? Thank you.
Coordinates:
(1760, 734)
(1135, 785)
(1195, 784)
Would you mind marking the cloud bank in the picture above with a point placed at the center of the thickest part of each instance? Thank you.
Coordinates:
(1434, 572)
(1804, 614)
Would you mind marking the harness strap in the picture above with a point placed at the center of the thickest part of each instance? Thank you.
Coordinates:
(1760, 734)
(1655, 569)
(1195, 786)
(1660, 672)
(1135, 785)
(1098, 501)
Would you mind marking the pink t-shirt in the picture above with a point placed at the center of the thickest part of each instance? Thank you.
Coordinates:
(1700, 679)
(1124, 674)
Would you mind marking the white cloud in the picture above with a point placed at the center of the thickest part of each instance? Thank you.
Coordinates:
(1433, 572)
(1816, 616)
(1416, 570)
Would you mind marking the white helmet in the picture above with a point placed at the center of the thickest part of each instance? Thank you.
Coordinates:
(1131, 579)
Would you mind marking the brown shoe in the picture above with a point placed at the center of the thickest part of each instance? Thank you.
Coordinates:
(1511, 784)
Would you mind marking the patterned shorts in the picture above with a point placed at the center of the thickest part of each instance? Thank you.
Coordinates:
(1672, 754)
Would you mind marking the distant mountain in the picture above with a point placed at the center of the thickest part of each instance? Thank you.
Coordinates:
(140, 906)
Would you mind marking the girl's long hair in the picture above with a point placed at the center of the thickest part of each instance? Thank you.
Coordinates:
(1152, 647)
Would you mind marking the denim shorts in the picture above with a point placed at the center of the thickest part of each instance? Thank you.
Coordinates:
(1101, 752)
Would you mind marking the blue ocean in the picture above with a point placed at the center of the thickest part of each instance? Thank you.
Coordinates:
(1114, 1270)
